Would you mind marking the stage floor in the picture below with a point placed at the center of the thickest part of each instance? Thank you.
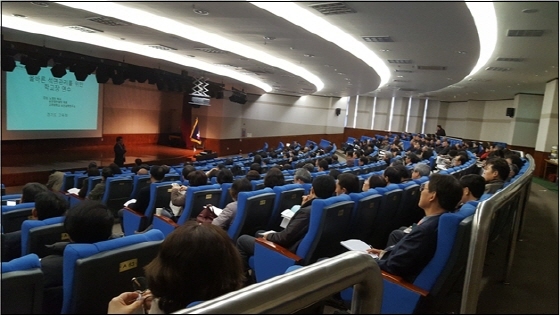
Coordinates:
(19, 169)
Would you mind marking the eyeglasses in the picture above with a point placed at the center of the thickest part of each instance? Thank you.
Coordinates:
(422, 186)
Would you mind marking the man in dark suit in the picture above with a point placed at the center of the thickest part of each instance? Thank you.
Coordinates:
(119, 150)
(414, 251)
(323, 187)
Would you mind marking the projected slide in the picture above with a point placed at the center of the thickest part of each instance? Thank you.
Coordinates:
(43, 102)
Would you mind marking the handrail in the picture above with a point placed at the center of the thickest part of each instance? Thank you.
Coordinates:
(480, 232)
(300, 288)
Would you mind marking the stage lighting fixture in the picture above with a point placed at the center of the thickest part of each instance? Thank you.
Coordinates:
(141, 75)
(160, 84)
(82, 70)
(102, 74)
(118, 77)
(238, 96)
(220, 94)
(32, 66)
(58, 70)
(8, 63)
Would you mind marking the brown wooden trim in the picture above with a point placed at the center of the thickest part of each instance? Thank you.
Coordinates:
(167, 220)
(539, 163)
(278, 248)
(400, 281)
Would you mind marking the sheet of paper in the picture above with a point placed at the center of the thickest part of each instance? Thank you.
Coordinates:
(74, 191)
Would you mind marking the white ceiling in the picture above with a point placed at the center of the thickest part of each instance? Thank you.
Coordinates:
(427, 33)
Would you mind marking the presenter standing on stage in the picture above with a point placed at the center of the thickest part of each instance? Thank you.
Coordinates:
(119, 149)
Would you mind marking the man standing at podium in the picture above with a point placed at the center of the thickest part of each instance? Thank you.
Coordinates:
(119, 149)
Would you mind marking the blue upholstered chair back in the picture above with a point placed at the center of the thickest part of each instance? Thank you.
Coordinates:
(36, 234)
(286, 197)
(384, 222)
(196, 198)
(226, 197)
(138, 182)
(92, 181)
(254, 210)
(409, 212)
(366, 206)
(328, 225)
(117, 192)
(22, 286)
(14, 216)
(95, 273)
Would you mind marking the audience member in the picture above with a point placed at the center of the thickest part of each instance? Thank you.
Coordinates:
(143, 197)
(347, 183)
(496, 171)
(178, 192)
(187, 169)
(374, 181)
(30, 190)
(253, 175)
(322, 165)
(227, 215)
(224, 176)
(92, 171)
(392, 175)
(420, 170)
(473, 188)
(333, 172)
(115, 169)
(55, 180)
(87, 222)
(323, 187)
(97, 192)
(256, 167)
(302, 176)
(273, 177)
(408, 257)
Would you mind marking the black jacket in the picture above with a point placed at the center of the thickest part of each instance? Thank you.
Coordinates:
(295, 230)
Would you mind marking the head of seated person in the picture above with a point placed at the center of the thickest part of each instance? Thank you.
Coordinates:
(115, 168)
(309, 166)
(323, 186)
(496, 169)
(513, 158)
(420, 170)
(142, 171)
(302, 176)
(273, 177)
(347, 183)
(392, 175)
(197, 178)
(91, 164)
(322, 165)
(460, 160)
(157, 173)
(257, 159)
(187, 170)
(253, 175)
(374, 181)
(93, 171)
(473, 187)
(49, 205)
(240, 185)
(30, 191)
(256, 167)
(403, 171)
(411, 158)
(177, 276)
(513, 170)
(89, 222)
(333, 172)
(224, 176)
(106, 172)
(440, 194)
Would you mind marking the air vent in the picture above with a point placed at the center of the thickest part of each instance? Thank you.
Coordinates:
(509, 59)
(400, 61)
(84, 29)
(457, 86)
(408, 89)
(401, 81)
(525, 33)
(377, 38)
(431, 67)
(161, 47)
(479, 80)
(403, 71)
(499, 69)
(332, 8)
(210, 50)
(107, 21)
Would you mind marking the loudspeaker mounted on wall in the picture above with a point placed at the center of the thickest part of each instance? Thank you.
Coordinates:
(337, 111)
(510, 112)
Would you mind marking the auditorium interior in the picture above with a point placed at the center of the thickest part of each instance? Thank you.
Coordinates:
(210, 83)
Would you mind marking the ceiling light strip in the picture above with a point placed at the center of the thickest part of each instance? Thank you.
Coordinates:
(192, 33)
(299, 16)
(101, 40)
(484, 16)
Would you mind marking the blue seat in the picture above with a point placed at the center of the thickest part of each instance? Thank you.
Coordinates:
(117, 192)
(13, 197)
(328, 225)
(196, 198)
(92, 181)
(14, 216)
(286, 197)
(172, 177)
(366, 206)
(254, 210)
(37, 234)
(139, 182)
(22, 286)
(95, 273)
(79, 180)
(398, 296)
(385, 217)
(159, 197)
(226, 197)
(408, 211)
(257, 184)
(422, 180)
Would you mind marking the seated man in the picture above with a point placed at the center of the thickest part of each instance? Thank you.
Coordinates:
(55, 180)
(496, 171)
(99, 190)
(323, 187)
(408, 257)
(420, 170)
(30, 191)
(88, 222)
(47, 205)
(228, 213)
(302, 176)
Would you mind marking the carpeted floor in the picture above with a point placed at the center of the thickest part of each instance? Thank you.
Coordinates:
(546, 183)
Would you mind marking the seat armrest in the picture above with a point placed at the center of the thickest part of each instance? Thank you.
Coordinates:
(400, 281)
(278, 248)
(133, 211)
(167, 220)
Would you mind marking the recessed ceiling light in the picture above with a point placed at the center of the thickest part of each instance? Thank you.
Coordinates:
(341, 73)
(200, 11)
(385, 50)
(462, 52)
(400, 76)
(269, 38)
(308, 55)
(530, 10)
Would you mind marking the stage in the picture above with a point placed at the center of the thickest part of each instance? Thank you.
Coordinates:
(19, 169)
